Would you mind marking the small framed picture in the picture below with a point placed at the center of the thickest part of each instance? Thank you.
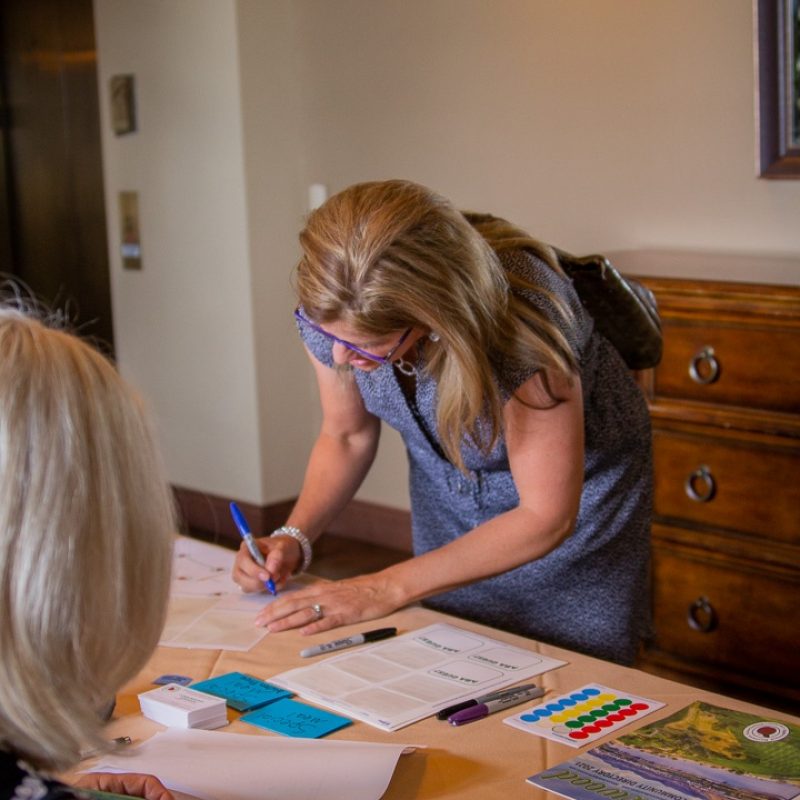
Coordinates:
(123, 104)
(778, 85)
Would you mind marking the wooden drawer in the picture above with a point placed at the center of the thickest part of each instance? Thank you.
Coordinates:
(751, 485)
(746, 365)
(728, 617)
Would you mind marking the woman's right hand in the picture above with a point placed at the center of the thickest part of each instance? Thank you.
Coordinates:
(283, 556)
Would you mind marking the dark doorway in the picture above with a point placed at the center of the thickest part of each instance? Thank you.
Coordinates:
(52, 213)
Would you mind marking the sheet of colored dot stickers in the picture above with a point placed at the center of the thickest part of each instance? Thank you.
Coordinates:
(583, 715)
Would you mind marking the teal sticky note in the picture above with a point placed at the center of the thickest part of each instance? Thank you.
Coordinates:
(296, 719)
(242, 692)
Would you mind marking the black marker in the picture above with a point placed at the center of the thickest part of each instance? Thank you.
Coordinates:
(350, 641)
(496, 695)
(482, 710)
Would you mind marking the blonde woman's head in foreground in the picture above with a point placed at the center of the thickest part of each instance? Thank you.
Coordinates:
(85, 539)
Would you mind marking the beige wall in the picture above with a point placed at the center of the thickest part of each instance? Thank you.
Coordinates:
(183, 326)
(273, 146)
(598, 124)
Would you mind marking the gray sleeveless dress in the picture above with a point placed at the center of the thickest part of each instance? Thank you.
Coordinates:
(591, 593)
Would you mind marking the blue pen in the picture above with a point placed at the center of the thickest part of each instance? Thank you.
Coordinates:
(244, 530)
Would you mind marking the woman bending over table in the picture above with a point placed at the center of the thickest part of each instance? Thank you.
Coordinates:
(528, 440)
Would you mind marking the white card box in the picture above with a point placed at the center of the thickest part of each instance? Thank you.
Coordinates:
(179, 706)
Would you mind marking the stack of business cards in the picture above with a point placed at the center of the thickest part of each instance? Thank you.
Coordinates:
(181, 707)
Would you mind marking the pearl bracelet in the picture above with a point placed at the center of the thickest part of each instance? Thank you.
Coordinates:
(300, 538)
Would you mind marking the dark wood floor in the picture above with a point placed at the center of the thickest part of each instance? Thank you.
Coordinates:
(338, 557)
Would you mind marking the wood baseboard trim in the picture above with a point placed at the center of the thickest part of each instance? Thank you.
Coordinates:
(209, 515)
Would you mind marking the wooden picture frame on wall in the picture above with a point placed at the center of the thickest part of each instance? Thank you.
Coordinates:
(777, 43)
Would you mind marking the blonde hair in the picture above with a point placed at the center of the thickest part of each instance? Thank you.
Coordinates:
(86, 527)
(384, 256)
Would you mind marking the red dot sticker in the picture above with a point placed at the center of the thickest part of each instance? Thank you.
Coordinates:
(604, 723)
(627, 712)
(591, 728)
(578, 735)
(640, 706)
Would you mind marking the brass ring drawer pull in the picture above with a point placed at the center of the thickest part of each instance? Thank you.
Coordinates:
(704, 367)
(701, 616)
(700, 486)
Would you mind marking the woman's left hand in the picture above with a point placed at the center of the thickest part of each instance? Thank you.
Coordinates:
(339, 602)
(129, 783)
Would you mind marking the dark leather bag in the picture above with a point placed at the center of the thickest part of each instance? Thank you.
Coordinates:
(624, 310)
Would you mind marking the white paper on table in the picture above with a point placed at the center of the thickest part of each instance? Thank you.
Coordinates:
(395, 682)
(206, 608)
(228, 766)
(214, 623)
(201, 569)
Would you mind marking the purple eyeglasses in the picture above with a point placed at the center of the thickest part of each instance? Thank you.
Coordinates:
(386, 359)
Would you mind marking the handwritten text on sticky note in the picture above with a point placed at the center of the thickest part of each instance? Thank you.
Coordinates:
(242, 692)
(296, 719)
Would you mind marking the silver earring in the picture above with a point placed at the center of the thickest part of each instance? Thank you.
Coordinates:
(433, 336)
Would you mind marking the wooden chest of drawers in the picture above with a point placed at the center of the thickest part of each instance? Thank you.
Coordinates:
(725, 408)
